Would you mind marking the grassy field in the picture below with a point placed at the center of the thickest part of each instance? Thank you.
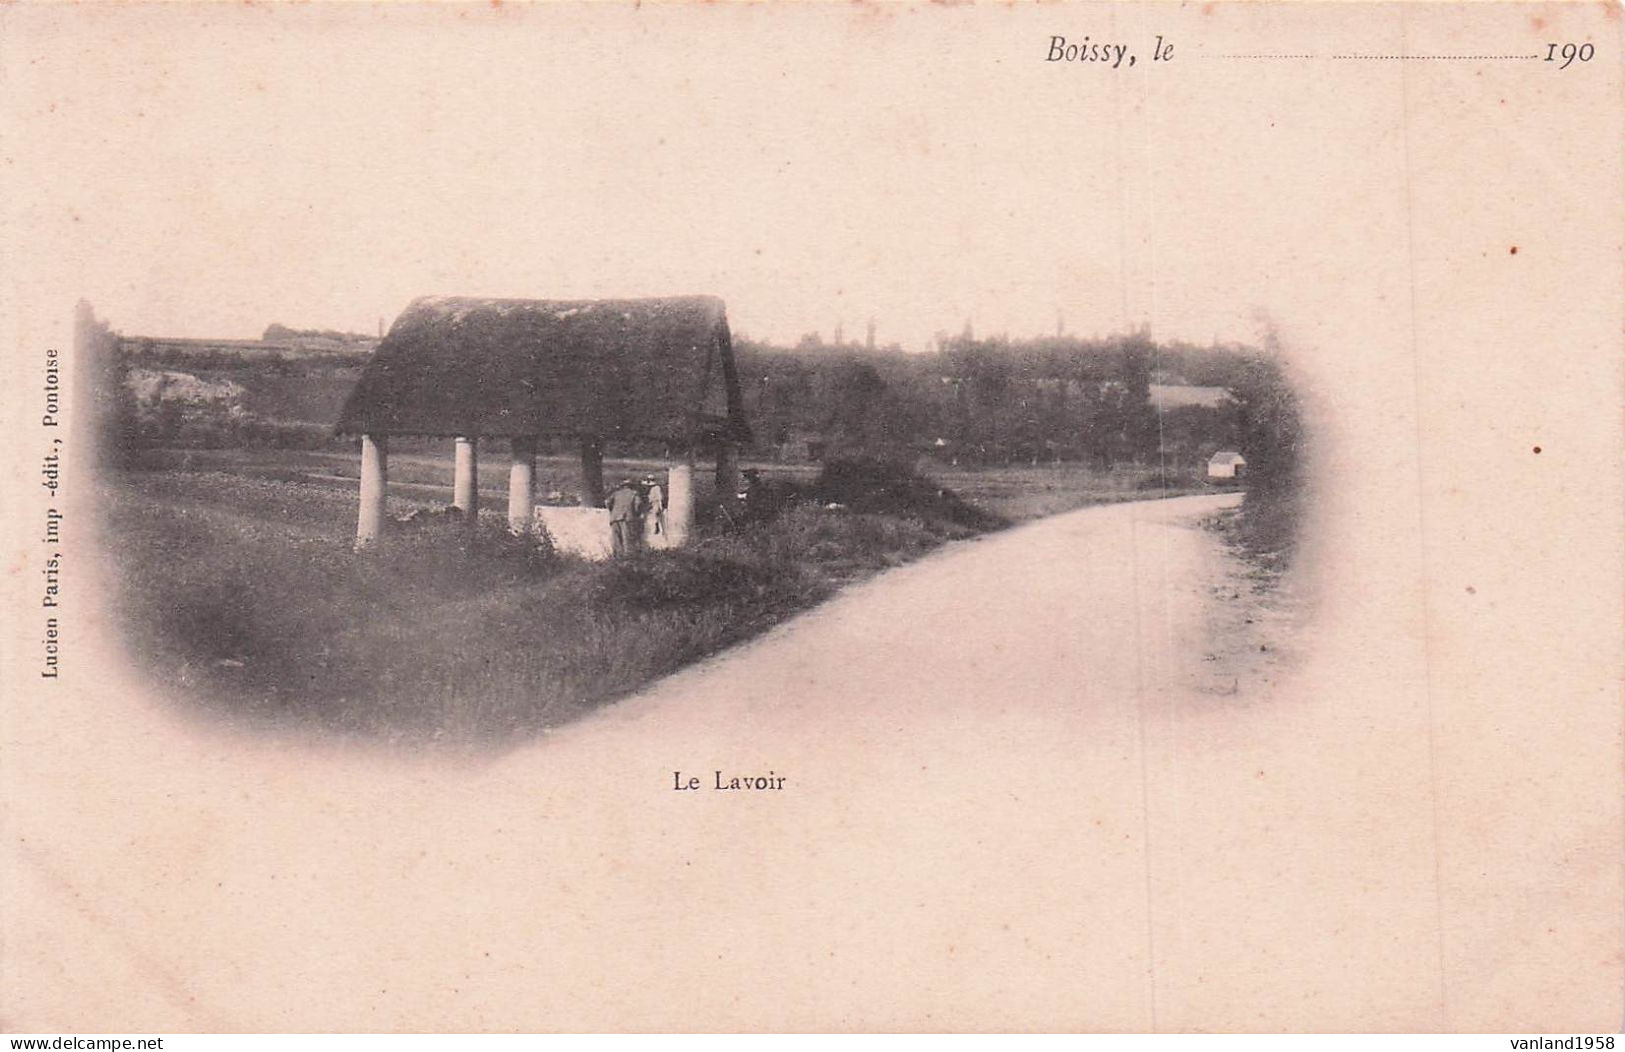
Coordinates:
(422, 477)
(238, 583)
(1025, 493)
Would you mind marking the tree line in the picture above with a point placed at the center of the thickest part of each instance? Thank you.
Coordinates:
(1000, 401)
(969, 401)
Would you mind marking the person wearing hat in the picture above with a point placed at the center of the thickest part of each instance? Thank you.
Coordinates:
(625, 516)
(654, 513)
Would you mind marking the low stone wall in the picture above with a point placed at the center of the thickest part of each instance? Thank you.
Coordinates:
(578, 531)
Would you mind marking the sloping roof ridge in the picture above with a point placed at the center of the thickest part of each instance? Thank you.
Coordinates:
(457, 308)
(439, 300)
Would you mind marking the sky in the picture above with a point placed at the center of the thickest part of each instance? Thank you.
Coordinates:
(217, 170)
(205, 170)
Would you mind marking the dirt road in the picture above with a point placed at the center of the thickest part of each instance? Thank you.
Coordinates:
(1016, 794)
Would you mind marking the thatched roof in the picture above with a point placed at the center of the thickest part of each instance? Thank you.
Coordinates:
(648, 368)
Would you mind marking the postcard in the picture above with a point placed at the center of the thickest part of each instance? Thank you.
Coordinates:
(1100, 517)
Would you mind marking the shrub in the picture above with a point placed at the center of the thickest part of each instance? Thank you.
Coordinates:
(1274, 439)
(660, 580)
(886, 488)
(439, 548)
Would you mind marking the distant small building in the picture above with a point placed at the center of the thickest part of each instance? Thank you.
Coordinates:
(1226, 464)
(176, 347)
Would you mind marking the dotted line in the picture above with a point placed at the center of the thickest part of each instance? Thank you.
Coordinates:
(1401, 58)
(1443, 58)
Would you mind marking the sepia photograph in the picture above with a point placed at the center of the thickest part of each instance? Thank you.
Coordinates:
(654, 491)
(778, 518)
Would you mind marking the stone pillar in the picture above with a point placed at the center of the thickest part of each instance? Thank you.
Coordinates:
(521, 498)
(727, 470)
(591, 488)
(465, 479)
(374, 484)
(679, 504)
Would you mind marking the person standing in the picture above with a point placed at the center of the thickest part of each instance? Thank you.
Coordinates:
(624, 516)
(654, 513)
